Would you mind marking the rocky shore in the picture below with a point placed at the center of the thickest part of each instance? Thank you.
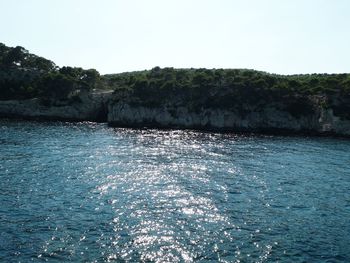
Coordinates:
(234, 100)
(100, 107)
(88, 107)
(267, 120)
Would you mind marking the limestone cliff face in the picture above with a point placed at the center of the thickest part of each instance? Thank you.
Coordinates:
(91, 107)
(100, 107)
(321, 121)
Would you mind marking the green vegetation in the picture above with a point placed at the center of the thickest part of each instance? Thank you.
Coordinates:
(234, 89)
(24, 75)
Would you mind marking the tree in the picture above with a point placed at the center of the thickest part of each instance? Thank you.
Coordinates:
(57, 86)
(16, 55)
(90, 79)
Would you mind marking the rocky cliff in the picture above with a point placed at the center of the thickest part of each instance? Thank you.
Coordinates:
(231, 100)
(87, 107)
(206, 99)
(270, 118)
(267, 119)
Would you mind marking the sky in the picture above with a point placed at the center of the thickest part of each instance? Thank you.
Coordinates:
(277, 36)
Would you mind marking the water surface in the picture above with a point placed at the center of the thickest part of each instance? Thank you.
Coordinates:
(88, 193)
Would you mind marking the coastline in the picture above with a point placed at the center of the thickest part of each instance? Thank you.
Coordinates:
(99, 108)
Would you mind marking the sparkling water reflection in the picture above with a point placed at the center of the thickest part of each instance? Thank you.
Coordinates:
(86, 192)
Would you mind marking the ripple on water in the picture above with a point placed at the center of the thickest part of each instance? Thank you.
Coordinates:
(86, 192)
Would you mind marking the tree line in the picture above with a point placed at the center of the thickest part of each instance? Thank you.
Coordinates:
(232, 89)
(24, 75)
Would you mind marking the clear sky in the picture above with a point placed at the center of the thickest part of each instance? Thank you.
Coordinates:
(278, 36)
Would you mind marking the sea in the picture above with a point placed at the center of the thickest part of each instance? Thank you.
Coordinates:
(86, 192)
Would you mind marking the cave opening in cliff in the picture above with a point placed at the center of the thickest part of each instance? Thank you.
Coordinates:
(102, 113)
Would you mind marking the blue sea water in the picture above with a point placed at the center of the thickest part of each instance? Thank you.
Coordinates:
(85, 192)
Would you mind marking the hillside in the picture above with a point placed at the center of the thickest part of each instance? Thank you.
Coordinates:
(240, 90)
(220, 99)
(24, 75)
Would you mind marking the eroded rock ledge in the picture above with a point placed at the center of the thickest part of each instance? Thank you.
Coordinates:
(89, 107)
(268, 119)
(99, 107)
